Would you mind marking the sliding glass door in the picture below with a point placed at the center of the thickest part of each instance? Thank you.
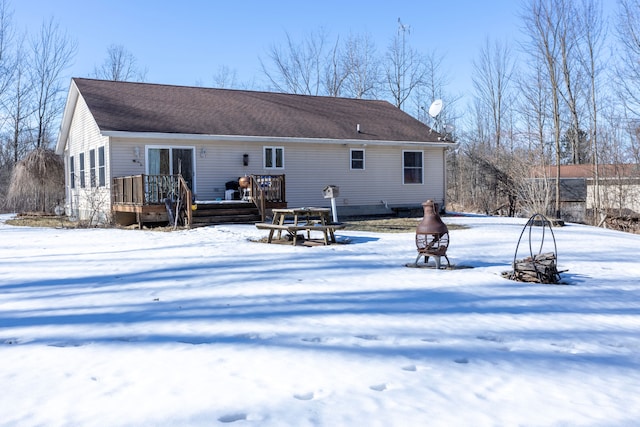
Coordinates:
(171, 161)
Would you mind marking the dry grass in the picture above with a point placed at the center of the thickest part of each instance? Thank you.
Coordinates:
(388, 225)
(43, 220)
(374, 225)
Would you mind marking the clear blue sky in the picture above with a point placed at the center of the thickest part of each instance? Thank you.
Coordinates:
(185, 42)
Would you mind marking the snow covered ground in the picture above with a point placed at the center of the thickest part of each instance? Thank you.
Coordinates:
(205, 327)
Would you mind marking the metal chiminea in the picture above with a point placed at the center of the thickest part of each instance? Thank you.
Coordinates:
(432, 235)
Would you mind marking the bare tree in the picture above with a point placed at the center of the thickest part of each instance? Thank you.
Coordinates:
(335, 72)
(542, 24)
(52, 52)
(297, 67)
(493, 72)
(363, 75)
(628, 69)
(7, 63)
(404, 67)
(120, 65)
(19, 106)
(225, 78)
(593, 65)
(37, 181)
(432, 87)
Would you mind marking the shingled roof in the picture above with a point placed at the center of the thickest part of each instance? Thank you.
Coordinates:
(156, 108)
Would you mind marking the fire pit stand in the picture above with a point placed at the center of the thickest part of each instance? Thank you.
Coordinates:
(432, 236)
(540, 267)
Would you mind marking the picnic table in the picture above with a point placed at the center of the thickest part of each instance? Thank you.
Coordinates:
(292, 220)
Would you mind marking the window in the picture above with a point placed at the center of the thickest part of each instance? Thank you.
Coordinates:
(273, 157)
(412, 167)
(82, 182)
(357, 159)
(72, 172)
(101, 168)
(92, 167)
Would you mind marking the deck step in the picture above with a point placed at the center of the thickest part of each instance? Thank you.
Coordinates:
(225, 213)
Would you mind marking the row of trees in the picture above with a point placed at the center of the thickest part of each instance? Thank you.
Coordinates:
(567, 94)
(33, 88)
(355, 67)
(31, 92)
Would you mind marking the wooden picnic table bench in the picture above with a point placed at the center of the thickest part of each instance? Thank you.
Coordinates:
(301, 219)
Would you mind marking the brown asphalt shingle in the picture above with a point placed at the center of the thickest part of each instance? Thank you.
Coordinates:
(145, 107)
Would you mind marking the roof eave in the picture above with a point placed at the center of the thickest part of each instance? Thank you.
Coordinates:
(65, 125)
(267, 139)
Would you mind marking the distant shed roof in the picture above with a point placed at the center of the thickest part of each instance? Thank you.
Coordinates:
(157, 108)
(619, 170)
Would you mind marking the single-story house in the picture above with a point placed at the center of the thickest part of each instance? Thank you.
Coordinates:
(123, 141)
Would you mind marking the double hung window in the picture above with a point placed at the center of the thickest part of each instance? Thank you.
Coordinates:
(273, 157)
(412, 168)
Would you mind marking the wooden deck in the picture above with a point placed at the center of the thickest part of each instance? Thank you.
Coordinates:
(143, 199)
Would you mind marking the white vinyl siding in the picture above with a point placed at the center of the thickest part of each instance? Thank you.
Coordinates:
(84, 137)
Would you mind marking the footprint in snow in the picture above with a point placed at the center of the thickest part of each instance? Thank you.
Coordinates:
(379, 387)
(232, 418)
(368, 337)
(304, 396)
(490, 338)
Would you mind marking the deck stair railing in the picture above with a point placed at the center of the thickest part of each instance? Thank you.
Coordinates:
(268, 191)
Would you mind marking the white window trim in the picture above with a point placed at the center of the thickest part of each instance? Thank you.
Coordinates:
(273, 158)
(364, 157)
(421, 168)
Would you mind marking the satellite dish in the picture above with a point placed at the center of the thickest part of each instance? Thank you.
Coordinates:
(448, 128)
(435, 108)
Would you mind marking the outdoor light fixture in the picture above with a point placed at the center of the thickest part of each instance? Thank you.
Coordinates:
(136, 152)
(245, 159)
(203, 152)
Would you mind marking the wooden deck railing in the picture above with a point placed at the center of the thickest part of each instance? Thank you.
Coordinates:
(145, 190)
(268, 191)
(138, 191)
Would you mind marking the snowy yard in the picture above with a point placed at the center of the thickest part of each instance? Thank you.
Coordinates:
(107, 327)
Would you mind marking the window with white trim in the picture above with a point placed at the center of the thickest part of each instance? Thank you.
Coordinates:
(92, 167)
(412, 170)
(101, 168)
(72, 172)
(273, 157)
(357, 159)
(82, 177)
